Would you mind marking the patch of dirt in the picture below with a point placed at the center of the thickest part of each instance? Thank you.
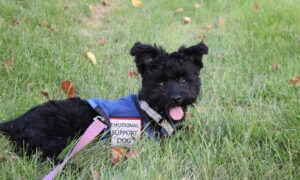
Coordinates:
(98, 12)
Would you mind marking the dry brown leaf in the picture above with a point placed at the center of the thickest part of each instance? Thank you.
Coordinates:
(178, 10)
(197, 6)
(8, 64)
(96, 175)
(117, 155)
(190, 116)
(276, 67)
(295, 80)
(102, 41)
(105, 3)
(221, 21)
(68, 88)
(45, 24)
(256, 6)
(136, 3)
(219, 56)
(3, 158)
(280, 166)
(200, 109)
(208, 26)
(44, 93)
(191, 128)
(186, 20)
(132, 154)
(132, 73)
(201, 36)
(15, 22)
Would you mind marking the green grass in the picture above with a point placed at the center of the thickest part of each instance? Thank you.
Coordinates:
(250, 126)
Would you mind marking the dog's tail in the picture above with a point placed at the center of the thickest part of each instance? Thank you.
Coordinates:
(7, 127)
(4, 128)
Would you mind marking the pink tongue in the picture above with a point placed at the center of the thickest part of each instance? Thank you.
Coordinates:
(176, 113)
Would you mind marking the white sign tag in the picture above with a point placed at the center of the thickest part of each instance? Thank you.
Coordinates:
(124, 131)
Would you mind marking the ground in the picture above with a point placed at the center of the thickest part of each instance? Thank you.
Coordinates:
(246, 125)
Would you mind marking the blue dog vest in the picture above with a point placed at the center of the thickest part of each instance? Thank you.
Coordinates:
(125, 107)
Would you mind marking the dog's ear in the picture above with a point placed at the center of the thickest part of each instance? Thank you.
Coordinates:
(145, 54)
(195, 52)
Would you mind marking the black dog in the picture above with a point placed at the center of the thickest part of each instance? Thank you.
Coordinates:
(170, 83)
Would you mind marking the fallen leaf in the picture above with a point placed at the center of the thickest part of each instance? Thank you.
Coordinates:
(45, 24)
(102, 41)
(197, 6)
(136, 3)
(178, 10)
(45, 94)
(68, 88)
(28, 85)
(91, 57)
(190, 116)
(96, 175)
(15, 22)
(191, 128)
(3, 158)
(219, 56)
(8, 64)
(201, 36)
(132, 154)
(221, 22)
(91, 8)
(208, 26)
(280, 166)
(105, 3)
(117, 155)
(295, 80)
(200, 109)
(65, 7)
(186, 20)
(276, 67)
(132, 73)
(256, 6)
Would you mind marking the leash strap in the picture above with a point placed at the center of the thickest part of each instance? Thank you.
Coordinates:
(90, 134)
(157, 117)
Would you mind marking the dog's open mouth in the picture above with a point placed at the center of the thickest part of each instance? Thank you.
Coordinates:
(176, 113)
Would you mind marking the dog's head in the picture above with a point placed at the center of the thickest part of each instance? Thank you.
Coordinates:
(170, 81)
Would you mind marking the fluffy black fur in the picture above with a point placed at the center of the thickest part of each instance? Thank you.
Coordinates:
(168, 80)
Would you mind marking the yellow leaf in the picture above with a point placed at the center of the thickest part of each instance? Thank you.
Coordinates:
(91, 8)
(197, 5)
(136, 3)
(91, 57)
(186, 20)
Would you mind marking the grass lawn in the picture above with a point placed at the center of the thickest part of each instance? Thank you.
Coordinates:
(249, 125)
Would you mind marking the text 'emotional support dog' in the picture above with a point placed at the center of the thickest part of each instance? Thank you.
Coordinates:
(170, 83)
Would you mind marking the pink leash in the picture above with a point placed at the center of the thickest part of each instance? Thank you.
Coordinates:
(92, 131)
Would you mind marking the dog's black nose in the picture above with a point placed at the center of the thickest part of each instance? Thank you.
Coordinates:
(176, 99)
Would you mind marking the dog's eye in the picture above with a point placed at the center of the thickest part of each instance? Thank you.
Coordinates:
(161, 84)
(182, 81)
